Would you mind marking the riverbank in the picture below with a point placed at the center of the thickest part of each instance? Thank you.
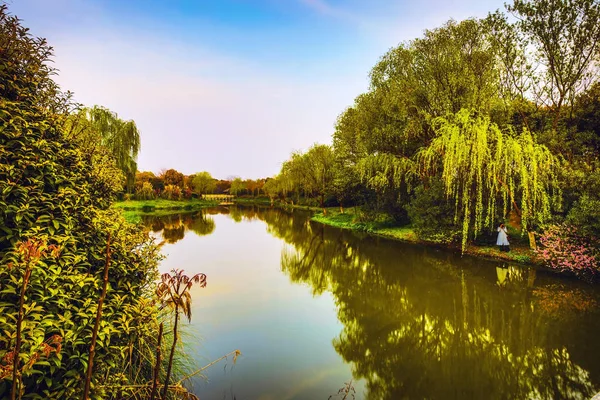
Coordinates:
(162, 204)
(347, 220)
(132, 209)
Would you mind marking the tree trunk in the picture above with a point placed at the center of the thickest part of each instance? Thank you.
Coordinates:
(168, 377)
(17, 349)
(532, 244)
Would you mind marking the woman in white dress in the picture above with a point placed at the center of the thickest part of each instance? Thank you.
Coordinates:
(502, 240)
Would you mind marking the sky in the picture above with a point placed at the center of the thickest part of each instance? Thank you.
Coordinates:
(231, 87)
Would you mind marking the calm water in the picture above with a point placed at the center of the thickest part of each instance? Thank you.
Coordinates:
(314, 308)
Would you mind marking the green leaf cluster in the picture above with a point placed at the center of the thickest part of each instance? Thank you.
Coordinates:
(51, 191)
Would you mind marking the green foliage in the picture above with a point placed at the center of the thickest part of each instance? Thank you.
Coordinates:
(503, 112)
(171, 192)
(310, 173)
(25, 73)
(203, 183)
(51, 194)
(479, 162)
(382, 172)
(586, 215)
(145, 192)
(431, 213)
(237, 186)
(100, 130)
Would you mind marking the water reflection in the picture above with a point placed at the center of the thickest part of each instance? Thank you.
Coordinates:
(420, 323)
(173, 227)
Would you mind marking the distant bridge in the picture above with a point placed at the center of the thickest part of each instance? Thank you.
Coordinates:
(223, 199)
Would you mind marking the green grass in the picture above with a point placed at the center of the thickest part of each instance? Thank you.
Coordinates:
(404, 233)
(383, 227)
(252, 201)
(134, 209)
(133, 217)
(162, 204)
(520, 254)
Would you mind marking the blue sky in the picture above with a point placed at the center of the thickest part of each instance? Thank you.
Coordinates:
(228, 86)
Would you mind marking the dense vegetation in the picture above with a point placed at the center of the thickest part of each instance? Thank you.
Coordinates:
(79, 313)
(476, 123)
(173, 185)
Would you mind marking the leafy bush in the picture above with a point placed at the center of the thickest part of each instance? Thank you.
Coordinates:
(53, 239)
(565, 248)
(431, 215)
(585, 214)
(171, 192)
(145, 192)
(187, 193)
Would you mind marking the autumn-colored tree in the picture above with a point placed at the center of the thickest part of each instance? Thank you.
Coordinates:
(143, 177)
(173, 177)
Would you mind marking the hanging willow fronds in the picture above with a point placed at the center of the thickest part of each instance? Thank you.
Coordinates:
(481, 164)
(383, 171)
(100, 126)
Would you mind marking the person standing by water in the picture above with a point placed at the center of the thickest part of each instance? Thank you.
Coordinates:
(502, 240)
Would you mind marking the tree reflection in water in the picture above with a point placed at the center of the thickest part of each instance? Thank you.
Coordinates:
(173, 227)
(421, 323)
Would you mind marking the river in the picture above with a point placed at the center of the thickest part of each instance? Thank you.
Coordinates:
(315, 310)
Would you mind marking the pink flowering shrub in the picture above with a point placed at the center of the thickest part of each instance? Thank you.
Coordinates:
(564, 248)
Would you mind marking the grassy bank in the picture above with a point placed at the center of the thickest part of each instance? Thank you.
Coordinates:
(162, 204)
(265, 201)
(519, 254)
(133, 209)
(252, 201)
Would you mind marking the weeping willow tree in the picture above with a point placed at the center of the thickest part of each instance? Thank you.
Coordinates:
(100, 126)
(486, 170)
(384, 171)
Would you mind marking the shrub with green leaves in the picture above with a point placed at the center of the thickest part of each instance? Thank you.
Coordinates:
(431, 214)
(171, 192)
(50, 195)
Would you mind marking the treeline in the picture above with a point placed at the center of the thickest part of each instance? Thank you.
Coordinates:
(173, 185)
(473, 124)
(80, 316)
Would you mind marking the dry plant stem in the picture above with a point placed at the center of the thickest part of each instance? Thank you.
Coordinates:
(88, 377)
(235, 353)
(157, 366)
(347, 391)
(17, 350)
(172, 355)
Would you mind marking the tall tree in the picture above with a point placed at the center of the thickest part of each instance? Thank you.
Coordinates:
(237, 186)
(566, 35)
(203, 183)
(102, 127)
(480, 163)
(173, 177)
